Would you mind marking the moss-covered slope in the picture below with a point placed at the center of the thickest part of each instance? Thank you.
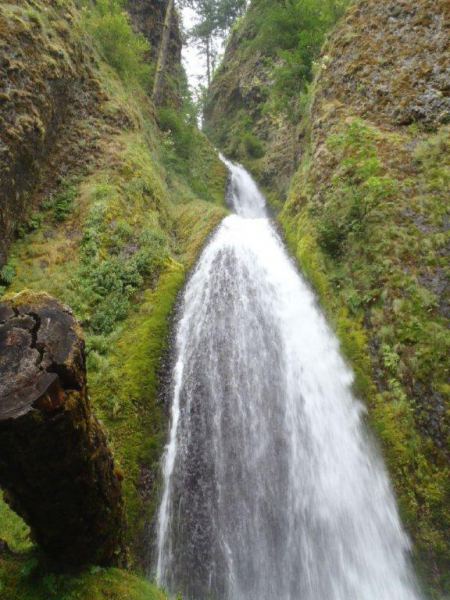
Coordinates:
(367, 219)
(112, 233)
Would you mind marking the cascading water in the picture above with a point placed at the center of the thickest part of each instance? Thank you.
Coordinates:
(271, 487)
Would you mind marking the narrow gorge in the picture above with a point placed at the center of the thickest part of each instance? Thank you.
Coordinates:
(224, 266)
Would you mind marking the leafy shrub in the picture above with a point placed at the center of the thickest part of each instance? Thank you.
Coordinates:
(181, 132)
(32, 224)
(253, 146)
(7, 274)
(119, 45)
(332, 234)
(98, 344)
(359, 187)
(61, 202)
(121, 233)
(293, 33)
(112, 272)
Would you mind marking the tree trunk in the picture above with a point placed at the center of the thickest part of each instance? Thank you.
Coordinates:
(158, 85)
(208, 60)
(55, 466)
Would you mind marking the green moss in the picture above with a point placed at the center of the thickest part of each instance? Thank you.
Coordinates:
(12, 529)
(124, 386)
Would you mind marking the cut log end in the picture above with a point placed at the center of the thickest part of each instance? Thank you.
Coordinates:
(55, 464)
(41, 354)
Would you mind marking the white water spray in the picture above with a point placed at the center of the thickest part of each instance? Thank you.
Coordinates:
(272, 489)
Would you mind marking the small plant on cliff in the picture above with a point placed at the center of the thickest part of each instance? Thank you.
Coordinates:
(61, 203)
(181, 132)
(253, 146)
(119, 45)
(7, 274)
(116, 259)
(359, 187)
(293, 33)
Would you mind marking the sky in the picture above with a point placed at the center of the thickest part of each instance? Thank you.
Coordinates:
(192, 58)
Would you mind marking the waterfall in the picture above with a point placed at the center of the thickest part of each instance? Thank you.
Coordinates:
(272, 487)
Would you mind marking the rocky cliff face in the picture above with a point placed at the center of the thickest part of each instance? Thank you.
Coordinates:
(367, 219)
(389, 63)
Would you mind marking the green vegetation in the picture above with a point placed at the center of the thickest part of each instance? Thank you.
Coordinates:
(263, 86)
(360, 192)
(291, 35)
(13, 530)
(124, 382)
(60, 203)
(24, 578)
(125, 51)
(110, 261)
(253, 146)
(7, 274)
(185, 154)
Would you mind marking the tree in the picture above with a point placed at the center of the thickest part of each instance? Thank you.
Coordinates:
(292, 32)
(215, 17)
(162, 54)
